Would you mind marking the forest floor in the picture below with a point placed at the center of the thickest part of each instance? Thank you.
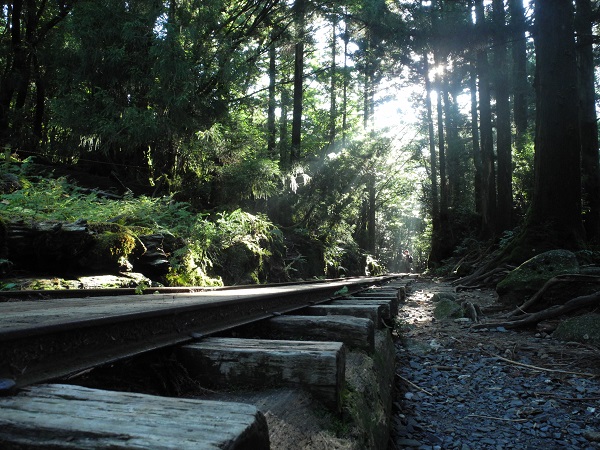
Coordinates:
(493, 388)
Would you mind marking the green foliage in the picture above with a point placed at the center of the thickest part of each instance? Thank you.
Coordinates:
(523, 175)
(204, 240)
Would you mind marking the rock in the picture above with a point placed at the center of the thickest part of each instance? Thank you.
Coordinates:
(443, 295)
(7, 386)
(447, 309)
(131, 280)
(524, 281)
(410, 443)
(9, 183)
(592, 436)
(584, 328)
(5, 266)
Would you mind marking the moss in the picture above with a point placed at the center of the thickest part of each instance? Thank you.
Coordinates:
(530, 276)
(111, 247)
(119, 244)
(580, 329)
(447, 309)
(103, 227)
(187, 273)
(367, 398)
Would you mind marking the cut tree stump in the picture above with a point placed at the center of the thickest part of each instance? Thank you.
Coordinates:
(74, 417)
(354, 332)
(319, 367)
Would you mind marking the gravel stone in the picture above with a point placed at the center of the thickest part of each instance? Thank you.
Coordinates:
(462, 395)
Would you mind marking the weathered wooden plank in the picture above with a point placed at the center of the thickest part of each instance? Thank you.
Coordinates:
(316, 366)
(389, 311)
(73, 417)
(372, 312)
(354, 332)
(396, 296)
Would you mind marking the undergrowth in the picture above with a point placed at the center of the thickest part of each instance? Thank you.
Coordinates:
(205, 249)
(203, 239)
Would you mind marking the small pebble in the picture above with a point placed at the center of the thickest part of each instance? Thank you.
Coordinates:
(486, 403)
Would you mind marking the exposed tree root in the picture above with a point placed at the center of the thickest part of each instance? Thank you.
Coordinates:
(559, 279)
(554, 311)
(482, 278)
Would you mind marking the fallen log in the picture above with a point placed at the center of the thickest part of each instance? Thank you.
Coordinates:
(583, 301)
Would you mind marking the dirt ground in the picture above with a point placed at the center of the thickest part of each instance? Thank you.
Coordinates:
(534, 343)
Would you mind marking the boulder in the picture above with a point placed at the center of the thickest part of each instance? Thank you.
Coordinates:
(447, 309)
(585, 329)
(524, 281)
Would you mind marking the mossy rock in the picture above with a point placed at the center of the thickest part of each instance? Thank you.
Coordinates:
(9, 183)
(438, 296)
(584, 329)
(524, 281)
(447, 309)
(239, 265)
(110, 250)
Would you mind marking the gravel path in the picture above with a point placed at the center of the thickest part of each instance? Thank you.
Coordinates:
(492, 389)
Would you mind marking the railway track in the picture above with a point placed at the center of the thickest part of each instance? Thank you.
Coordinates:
(57, 338)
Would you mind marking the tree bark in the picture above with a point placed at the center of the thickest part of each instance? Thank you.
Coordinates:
(299, 12)
(435, 256)
(476, 150)
(332, 88)
(488, 185)
(519, 72)
(588, 120)
(271, 130)
(556, 203)
(503, 127)
(441, 139)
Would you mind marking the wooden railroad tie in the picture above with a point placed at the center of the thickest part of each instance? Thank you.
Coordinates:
(375, 312)
(355, 332)
(319, 367)
(66, 416)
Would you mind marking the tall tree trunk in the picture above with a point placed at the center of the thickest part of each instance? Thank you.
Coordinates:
(368, 109)
(299, 12)
(371, 214)
(488, 173)
(503, 126)
(345, 85)
(40, 104)
(435, 255)
(440, 62)
(435, 202)
(271, 129)
(476, 150)
(588, 120)
(14, 66)
(284, 145)
(332, 88)
(453, 149)
(519, 72)
(555, 213)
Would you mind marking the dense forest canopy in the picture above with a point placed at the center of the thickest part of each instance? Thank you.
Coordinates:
(368, 126)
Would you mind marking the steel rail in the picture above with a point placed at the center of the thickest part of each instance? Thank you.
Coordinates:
(60, 346)
(36, 294)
